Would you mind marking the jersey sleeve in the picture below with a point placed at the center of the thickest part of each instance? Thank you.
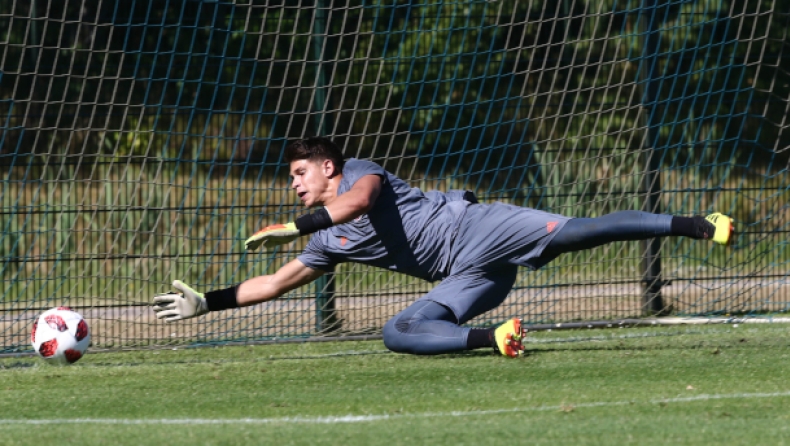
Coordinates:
(315, 256)
(355, 169)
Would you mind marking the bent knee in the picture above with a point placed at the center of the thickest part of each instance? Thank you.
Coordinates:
(393, 338)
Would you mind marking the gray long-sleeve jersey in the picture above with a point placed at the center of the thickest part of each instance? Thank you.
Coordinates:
(405, 231)
(428, 235)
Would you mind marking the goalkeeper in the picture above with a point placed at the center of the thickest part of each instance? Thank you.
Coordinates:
(367, 215)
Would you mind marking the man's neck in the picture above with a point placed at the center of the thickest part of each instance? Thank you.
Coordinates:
(330, 194)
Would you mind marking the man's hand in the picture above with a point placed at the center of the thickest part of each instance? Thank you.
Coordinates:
(176, 306)
(273, 235)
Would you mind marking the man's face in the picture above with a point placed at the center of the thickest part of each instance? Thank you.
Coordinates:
(310, 180)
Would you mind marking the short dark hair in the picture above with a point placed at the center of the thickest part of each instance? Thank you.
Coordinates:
(316, 148)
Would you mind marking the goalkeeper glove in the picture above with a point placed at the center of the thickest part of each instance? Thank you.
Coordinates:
(280, 234)
(273, 235)
(177, 306)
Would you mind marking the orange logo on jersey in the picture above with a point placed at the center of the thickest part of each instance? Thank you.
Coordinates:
(550, 226)
(343, 241)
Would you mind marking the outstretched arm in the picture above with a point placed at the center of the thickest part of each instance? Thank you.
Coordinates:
(341, 209)
(189, 303)
(357, 201)
(263, 288)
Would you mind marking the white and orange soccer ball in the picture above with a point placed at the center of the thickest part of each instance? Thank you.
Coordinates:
(60, 336)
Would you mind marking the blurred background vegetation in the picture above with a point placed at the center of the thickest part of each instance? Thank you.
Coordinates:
(141, 141)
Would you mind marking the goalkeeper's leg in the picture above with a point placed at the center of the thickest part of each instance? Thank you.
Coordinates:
(425, 328)
(431, 325)
(429, 328)
(586, 233)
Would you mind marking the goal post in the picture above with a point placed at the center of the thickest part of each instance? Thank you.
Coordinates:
(141, 142)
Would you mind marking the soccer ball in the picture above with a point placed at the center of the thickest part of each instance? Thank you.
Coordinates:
(60, 336)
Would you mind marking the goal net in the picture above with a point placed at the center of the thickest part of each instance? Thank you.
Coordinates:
(141, 142)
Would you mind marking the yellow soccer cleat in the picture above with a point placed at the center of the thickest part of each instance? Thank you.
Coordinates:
(725, 228)
(508, 338)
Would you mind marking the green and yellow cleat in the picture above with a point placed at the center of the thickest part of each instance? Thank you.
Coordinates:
(507, 338)
(725, 228)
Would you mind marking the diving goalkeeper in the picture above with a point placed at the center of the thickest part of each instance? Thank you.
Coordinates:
(367, 215)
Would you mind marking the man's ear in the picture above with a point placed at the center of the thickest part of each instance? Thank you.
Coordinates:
(328, 168)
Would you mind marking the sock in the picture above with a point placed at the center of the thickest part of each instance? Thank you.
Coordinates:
(480, 338)
(694, 227)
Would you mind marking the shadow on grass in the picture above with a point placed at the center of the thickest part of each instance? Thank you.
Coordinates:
(17, 365)
(712, 346)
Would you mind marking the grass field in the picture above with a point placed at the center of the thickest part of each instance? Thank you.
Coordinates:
(679, 385)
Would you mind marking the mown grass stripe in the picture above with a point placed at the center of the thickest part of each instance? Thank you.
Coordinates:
(384, 417)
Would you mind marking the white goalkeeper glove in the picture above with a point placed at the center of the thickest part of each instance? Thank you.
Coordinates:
(177, 306)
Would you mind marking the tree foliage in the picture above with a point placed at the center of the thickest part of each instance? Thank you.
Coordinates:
(445, 86)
